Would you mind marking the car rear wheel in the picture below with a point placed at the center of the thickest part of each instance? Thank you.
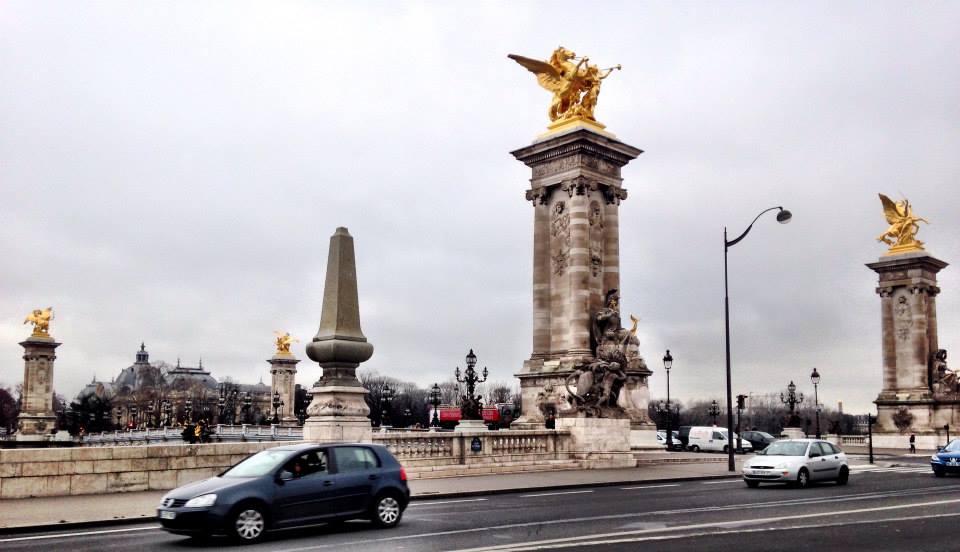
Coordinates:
(725, 449)
(843, 476)
(386, 511)
(803, 478)
(695, 448)
(752, 484)
(248, 523)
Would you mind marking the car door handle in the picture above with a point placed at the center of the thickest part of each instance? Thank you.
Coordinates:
(327, 483)
(374, 476)
(823, 459)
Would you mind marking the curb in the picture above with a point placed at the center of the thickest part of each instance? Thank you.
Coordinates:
(143, 520)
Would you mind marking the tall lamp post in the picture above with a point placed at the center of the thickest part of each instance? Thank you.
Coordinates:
(435, 396)
(714, 411)
(470, 406)
(783, 217)
(667, 364)
(277, 405)
(385, 397)
(815, 380)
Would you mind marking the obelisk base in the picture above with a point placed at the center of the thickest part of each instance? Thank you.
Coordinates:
(35, 427)
(338, 413)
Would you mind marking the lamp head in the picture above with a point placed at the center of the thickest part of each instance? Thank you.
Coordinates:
(815, 377)
(667, 361)
(784, 216)
(471, 359)
(792, 387)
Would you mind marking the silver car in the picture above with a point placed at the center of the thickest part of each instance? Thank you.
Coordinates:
(798, 462)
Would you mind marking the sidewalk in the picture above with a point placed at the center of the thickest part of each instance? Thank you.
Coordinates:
(67, 511)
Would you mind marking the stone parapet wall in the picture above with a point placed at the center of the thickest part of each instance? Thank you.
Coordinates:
(98, 470)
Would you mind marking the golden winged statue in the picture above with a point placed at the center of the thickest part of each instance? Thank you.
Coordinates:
(901, 235)
(40, 318)
(575, 86)
(283, 343)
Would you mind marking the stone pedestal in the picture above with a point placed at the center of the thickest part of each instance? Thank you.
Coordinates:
(792, 433)
(339, 411)
(37, 419)
(576, 190)
(471, 425)
(911, 393)
(599, 442)
(283, 372)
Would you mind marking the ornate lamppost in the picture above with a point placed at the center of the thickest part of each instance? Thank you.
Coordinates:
(247, 403)
(435, 396)
(150, 418)
(714, 411)
(221, 402)
(667, 364)
(188, 409)
(303, 408)
(471, 407)
(167, 412)
(119, 411)
(783, 217)
(277, 406)
(133, 410)
(792, 399)
(815, 380)
(386, 395)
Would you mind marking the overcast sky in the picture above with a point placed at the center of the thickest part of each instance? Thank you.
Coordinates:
(171, 172)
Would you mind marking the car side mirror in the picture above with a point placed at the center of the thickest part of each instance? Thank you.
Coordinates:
(939, 449)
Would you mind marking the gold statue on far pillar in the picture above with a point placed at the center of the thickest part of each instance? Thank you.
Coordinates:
(575, 87)
(283, 343)
(901, 235)
(40, 318)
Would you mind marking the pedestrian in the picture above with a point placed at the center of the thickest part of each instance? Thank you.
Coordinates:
(913, 443)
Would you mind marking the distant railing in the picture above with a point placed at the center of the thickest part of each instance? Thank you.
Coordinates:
(464, 448)
(222, 433)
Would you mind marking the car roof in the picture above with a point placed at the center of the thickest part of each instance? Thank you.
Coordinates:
(305, 446)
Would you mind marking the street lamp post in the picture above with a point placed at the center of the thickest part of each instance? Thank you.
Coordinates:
(247, 403)
(667, 364)
(815, 380)
(792, 399)
(188, 409)
(277, 405)
(783, 217)
(435, 396)
(470, 405)
(385, 397)
(714, 411)
(167, 412)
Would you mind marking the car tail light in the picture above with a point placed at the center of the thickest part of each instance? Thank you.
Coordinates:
(403, 474)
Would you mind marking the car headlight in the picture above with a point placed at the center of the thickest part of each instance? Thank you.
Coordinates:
(201, 501)
(935, 458)
(781, 466)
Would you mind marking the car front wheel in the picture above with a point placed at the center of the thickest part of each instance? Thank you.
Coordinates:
(752, 484)
(386, 511)
(249, 523)
(938, 473)
(803, 478)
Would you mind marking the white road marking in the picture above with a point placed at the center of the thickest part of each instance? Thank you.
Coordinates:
(721, 482)
(585, 539)
(82, 534)
(739, 531)
(553, 494)
(649, 487)
(771, 504)
(435, 502)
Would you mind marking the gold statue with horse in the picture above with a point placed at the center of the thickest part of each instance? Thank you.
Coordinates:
(40, 318)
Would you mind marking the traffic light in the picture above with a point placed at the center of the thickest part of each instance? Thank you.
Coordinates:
(741, 402)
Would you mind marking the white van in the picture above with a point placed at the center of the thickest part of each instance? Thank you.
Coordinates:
(712, 439)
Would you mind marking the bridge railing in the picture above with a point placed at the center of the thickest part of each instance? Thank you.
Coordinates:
(222, 433)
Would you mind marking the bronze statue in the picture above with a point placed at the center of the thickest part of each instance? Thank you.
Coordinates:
(575, 87)
(40, 318)
(901, 235)
(615, 350)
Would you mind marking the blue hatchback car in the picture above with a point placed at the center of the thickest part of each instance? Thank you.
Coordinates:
(291, 486)
(946, 459)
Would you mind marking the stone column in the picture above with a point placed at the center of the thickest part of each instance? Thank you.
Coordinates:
(576, 188)
(339, 410)
(37, 418)
(907, 287)
(283, 369)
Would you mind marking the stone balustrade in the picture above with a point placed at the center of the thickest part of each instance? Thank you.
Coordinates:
(433, 449)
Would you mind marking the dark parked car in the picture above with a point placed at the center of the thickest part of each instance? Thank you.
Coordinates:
(759, 439)
(684, 433)
(290, 486)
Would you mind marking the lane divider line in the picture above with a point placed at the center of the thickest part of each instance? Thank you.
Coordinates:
(649, 487)
(81, 534)
(554, 494)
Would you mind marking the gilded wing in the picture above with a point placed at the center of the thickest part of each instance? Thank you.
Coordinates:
(890, 210)
(547, 75)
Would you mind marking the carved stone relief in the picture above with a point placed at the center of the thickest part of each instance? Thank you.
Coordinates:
(902, 318)
(560, 229)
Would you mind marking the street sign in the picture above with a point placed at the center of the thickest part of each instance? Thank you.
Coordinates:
(476, 445)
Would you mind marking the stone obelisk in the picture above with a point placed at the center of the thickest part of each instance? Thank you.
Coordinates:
(339, 411)
(37, 418)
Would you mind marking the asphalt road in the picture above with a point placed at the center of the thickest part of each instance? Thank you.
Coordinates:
(881, 509)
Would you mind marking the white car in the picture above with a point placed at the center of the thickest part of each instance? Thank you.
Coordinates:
(713, 439)
(798, 462)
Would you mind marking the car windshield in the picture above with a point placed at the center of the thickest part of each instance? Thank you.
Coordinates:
(954, 446)
(786, 448)
(259, 464)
